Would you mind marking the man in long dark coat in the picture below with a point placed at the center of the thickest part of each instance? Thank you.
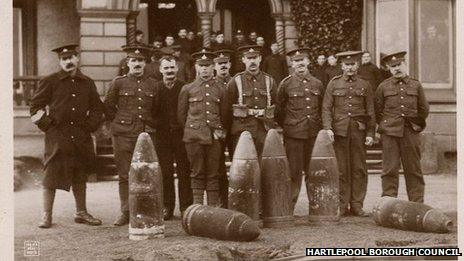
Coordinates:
(74, 111)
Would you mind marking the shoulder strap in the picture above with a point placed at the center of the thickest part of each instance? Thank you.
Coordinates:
(238, 82)
(268, 89)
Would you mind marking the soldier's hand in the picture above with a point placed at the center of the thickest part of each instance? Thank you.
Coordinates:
(369, 141)
(331, 135)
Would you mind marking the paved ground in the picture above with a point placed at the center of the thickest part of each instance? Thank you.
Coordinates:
(69, 241)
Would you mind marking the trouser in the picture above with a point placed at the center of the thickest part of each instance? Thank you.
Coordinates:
(170, 148)
(123, 148)
(299, 153)
(350, 152)
(204, 163)
(406, 150)
(79, 192)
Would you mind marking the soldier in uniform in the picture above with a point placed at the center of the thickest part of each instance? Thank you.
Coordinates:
(129, 106)
(123, 69)
(250, 99)
(200, 111)
(222, 66)
(168, 143)
(299, 101)
(401, 110)
(349, 118)
(74, 111)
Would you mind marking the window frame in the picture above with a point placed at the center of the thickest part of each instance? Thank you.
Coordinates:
(444, 94)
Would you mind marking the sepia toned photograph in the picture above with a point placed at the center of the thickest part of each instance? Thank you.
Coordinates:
(234, 129)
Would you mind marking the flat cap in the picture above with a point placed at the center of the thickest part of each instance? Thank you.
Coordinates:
(250, 50)
(203, 57)
(66, 50)
(394, 58)
(349, 56)
(222, 56)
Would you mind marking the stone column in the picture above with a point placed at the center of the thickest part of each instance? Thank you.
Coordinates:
(206, 21)
(291, 33)
(103, 32)
(280, 33)
(131, 26)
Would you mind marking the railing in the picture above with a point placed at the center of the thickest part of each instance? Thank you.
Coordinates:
(23, 89)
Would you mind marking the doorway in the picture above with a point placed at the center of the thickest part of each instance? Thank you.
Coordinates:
(168, 16)
(257, 17)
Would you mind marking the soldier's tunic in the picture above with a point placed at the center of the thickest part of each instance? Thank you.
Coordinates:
(223, 180)
(170, 148)
(348, 110)
(299, 102)
(401, 110)
(75, 110)
(256, 100)
(129, 103)
(200, 112)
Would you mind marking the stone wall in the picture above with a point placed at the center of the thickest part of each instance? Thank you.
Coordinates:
(57, 24)
(101, 41)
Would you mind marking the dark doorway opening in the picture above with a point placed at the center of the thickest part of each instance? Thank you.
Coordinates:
(251, 16)
(168, 16)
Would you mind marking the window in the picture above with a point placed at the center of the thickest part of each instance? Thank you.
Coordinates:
(434, 43)
(425, 29)
(392, 30)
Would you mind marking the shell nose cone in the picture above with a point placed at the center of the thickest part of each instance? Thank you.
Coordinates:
(245, 148)
(249, 231)
(273, 145)
(144, 150)
(323, 146)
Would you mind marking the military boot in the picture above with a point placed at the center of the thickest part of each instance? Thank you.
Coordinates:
(359, 212)
(48, 198)
(123, 219)
(46, 221)
(83, 217)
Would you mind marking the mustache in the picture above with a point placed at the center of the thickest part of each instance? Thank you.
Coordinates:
(137, 67)
(223, 68)
(170, 73)
(69, 66)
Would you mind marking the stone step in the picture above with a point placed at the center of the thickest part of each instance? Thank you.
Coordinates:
(373, 161)
(105, 159)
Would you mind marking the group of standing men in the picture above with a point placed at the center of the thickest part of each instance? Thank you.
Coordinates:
(191, 124)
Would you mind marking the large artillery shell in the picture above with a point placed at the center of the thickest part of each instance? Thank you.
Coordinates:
(145, 192)
(407, 215)
(276, 183)
(245, 178)
(219, 223)
(323, 181)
